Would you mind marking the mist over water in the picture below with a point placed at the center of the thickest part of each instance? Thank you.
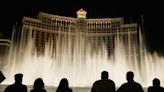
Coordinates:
(75, 57)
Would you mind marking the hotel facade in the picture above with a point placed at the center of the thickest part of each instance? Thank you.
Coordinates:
(46, 26)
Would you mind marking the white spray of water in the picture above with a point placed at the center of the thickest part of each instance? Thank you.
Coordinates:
(75, 58)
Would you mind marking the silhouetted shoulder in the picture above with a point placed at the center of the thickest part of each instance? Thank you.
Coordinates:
(70, 90)
(150, 89)
(8, 88)
(104, 81)
(155, 89)
(16, 88)
(103, 86)
(130, 87)
(98, 81)
(137, 84)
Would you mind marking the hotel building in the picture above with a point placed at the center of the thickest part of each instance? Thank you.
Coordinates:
(46, 26)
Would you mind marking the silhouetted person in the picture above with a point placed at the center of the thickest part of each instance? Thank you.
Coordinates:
(64, 86)
(38, 86)
(156, 86)
(103, 85)
(131, 85)
(17, 86)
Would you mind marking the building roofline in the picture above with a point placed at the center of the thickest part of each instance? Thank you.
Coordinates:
(29, 18)
(52, 15)
(89, 19)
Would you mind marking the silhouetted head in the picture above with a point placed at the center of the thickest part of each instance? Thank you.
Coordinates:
(38, 84)
(18, 77)
(64, 83)
(104, 75)
(130, 76)
(156, 82)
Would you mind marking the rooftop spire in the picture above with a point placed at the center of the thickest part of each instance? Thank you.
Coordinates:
(81, 13)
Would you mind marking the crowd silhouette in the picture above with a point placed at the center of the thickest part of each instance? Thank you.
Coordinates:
(103, 85)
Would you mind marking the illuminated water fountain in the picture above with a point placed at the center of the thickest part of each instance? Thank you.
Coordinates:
(76, 60)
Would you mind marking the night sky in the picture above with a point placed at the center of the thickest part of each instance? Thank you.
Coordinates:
(12, 11)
